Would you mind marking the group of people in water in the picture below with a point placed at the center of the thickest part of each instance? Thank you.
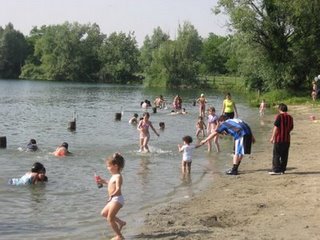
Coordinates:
(229, 111)
(37, 174)
(228, 123)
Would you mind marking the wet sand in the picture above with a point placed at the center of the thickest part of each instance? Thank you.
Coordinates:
(253, 205)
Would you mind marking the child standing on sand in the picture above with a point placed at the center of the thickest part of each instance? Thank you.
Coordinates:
(115, 164)
(201, 126)
(187, 149)
(143, 128)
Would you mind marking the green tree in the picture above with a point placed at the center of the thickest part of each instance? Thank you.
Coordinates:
(285, 36)
(119, 57)
(65, 52)
(176, 63)
(214, 55)
(151, 44)
(13, 52)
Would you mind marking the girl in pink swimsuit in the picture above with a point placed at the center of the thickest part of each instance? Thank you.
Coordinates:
(213, 124)
(143, 128)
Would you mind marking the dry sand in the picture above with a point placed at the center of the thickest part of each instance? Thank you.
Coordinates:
(253, 205)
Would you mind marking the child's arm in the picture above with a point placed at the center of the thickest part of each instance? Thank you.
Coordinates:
(180, 148)
(212, 135)
(139, 125)
(101, 180)
(154, 129)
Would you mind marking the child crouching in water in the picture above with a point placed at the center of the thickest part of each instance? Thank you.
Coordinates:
(115, 164)
(187, 149)
(35, 175)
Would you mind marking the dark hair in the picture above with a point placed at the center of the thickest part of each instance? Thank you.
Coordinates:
(161, 124)
(146, 114)
(116, 159)
(187, 139)
(32, 145)
(38, 167)
(222, 118)
(65, 144)
(283, 107)
(136, 115)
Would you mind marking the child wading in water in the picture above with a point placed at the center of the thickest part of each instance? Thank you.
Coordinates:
(115, 164)
(187, 149)
(143, 127)
(213, 124)
(262, 108)
(201, 126)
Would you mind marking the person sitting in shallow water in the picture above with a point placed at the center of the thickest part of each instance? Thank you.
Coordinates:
(36, 175)
(32, 146)
(134, 119)
(62, 150)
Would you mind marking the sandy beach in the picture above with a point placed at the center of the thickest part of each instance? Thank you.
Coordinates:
(253, 205)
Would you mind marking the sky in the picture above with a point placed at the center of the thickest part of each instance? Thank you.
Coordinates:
(140, 16)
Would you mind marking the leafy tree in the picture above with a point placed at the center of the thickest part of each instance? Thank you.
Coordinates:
(214, 54)
(119, 56)
(13, 52)
(176, 63)
(64, 52)
(151, 44)
(285, 34)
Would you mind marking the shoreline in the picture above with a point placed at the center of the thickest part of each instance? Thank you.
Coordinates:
(252, 205)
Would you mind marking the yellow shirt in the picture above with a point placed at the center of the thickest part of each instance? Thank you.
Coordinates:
(228, 106)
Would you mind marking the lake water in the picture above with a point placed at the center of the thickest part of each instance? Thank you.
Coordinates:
(69, 205)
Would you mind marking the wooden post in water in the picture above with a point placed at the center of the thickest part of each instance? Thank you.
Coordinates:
(72, 124)
(118, 116)
(3, 142)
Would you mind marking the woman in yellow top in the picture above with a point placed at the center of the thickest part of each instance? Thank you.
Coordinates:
(229, 107)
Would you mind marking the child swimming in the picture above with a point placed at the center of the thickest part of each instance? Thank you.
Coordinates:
(32, 146)
(62, 150)
(37, 174)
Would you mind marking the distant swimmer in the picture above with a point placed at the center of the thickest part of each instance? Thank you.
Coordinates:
(32, 146)
(62, 150)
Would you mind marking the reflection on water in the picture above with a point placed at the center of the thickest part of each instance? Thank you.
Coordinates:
(69, 205)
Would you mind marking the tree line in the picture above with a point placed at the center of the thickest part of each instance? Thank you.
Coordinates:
(76, 52)
(274, 44)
